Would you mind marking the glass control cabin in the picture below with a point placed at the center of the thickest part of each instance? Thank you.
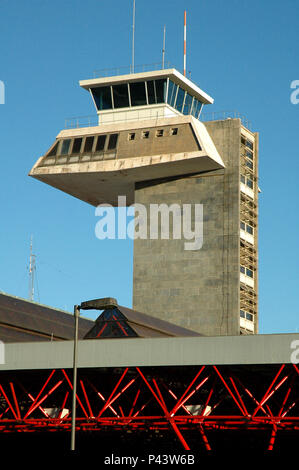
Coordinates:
(161, 93)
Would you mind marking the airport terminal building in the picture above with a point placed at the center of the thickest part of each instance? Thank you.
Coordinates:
(184, 368)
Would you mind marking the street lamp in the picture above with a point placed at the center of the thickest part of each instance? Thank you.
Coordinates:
(96, 304)
(75, 361)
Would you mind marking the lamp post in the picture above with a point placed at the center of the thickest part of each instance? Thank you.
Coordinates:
(96, 304)
(75, 364)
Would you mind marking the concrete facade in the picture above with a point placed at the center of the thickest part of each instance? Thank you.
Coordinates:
(197, 289)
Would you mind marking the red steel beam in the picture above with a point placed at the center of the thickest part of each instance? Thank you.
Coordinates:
(268, 390)
(252, 397)
(15, 399)
(171, 420)
(8, 402)
(134, 402)
(113, 391)
(86, 399)
(229, 391)
(102, 398)
(167, 414)
(71, 386)
(44, 398)
(204, 437)
(239, 396)
(33, 400)
(191, 393)
(173, 411)
(41, 391)
(63, 405)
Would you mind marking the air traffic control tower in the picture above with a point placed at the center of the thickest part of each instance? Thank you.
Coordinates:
(150, 145)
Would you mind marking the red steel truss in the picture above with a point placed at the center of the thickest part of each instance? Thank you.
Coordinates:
(181, 399)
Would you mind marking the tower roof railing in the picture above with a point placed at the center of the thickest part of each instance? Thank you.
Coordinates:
(93, 120)
(222, 115)
(129, 69)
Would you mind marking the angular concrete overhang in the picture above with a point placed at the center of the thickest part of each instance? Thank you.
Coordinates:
(172, 74)
(97, 182)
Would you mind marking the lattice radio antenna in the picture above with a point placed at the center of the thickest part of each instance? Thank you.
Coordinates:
(32, 269)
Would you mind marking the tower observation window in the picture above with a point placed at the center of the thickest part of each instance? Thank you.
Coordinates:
(188, 104)
(53, 152)
(100, 143)
(180, 99)
(195, 107)
(137, 92)
(161, 90)
(156, 91)
(65, 146)
(102, 97)
(172, 89)
(121, 96)
(112, 141)
(88, 144)
(77, 145)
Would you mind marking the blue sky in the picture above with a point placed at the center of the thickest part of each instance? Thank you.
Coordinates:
(243, 53)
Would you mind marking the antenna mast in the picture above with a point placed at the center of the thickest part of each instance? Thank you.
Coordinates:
(163, 50)
(185, 38)
(32, 268)
(133, 38)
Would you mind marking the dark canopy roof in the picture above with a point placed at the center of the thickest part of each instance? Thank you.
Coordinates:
(25, 321)
(22, 321)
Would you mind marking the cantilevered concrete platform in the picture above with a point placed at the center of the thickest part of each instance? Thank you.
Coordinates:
(140, 154)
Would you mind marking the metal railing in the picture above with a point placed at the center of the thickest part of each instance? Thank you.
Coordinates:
(81, 121)
(136, 115)
(92, 120)
(128, 69)
(222, 115)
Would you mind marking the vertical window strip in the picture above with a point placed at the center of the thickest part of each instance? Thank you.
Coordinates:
(200, 109)
(89, 89)
(146, 93)
(191, 110)
(129, 95)
(184, 102)
(166, 94)
(176, 95)
(112, 99)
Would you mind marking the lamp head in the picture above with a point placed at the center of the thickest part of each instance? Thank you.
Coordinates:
(99, 304)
